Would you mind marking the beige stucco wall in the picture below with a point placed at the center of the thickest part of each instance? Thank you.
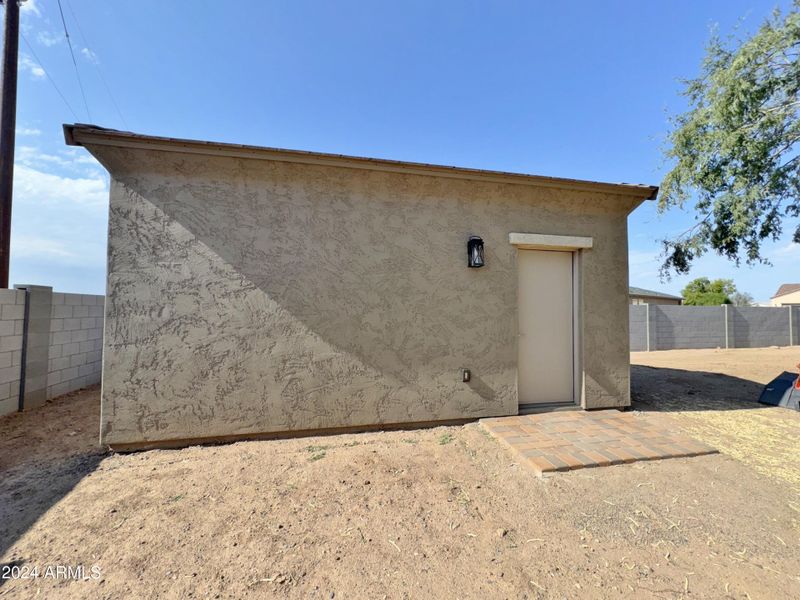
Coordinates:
(787, 299)
(249, 296)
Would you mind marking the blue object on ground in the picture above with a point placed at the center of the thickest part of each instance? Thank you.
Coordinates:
(782, 391)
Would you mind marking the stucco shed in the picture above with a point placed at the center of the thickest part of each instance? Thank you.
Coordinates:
(263, 291)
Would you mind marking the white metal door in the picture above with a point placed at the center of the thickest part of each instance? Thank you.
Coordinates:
(546, 328)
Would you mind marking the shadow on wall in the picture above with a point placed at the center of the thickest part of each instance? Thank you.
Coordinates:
(366, 307)
(673, 390)
(27, 492)
(391, 272)
(757, 327)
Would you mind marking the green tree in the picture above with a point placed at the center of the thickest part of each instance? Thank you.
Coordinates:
(742, 299)
(735, 151)
(704, 292)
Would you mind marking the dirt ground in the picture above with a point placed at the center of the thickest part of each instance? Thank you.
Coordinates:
(435, 513)
(67, 427)
(706, 391)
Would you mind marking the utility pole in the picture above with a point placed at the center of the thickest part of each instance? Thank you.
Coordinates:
(8, 123)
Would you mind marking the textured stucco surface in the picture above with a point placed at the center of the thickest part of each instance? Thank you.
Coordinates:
(249, 296)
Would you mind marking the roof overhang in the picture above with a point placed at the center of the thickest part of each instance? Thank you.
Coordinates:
(786, 293)
(92, 135)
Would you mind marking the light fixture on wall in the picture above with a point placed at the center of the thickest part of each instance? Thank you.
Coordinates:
(475, 252)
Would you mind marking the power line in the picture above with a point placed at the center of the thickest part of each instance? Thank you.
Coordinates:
(97, 66)
(74, 62)
(46, 72)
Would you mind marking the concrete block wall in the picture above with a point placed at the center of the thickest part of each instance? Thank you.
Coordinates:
(12, 319)
(50, 344)
(638, 316)
(755, 327)
(673, 327)
(795, 325)
(76, 342)
(676, 327)
(36, 344)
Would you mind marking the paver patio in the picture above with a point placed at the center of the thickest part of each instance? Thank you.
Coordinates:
(565, 440)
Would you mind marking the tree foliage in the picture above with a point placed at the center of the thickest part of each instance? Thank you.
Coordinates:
(736, 150)
(704, 292)
(742, 299)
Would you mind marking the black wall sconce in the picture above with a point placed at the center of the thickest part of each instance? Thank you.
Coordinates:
(475, 252)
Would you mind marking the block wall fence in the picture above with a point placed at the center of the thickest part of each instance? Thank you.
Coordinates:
(657, 327)
(50, 344)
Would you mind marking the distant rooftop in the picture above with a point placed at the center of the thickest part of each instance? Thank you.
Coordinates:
(637, 291)
(787, 288)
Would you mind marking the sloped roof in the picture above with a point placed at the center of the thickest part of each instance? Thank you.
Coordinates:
(787, 288)
(637, 291)
(80, 134)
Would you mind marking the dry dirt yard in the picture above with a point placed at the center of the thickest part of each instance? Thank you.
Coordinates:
(434, 513)
(711, 393)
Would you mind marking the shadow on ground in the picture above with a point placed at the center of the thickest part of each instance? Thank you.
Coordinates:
(670, 390)
(30, 490)
(44, 454)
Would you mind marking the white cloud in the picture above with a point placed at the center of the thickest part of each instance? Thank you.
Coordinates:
(28, 131)
(30, 156)
(49, 38)
(30, 7)
(638, 257)
(28, 64)
(75, 160)
(90, 56)
(29, 246)
(59, 220)
(790, 249)
(33, 186)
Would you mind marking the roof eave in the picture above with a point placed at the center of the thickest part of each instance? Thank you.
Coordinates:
(80, 135)
(661, 296)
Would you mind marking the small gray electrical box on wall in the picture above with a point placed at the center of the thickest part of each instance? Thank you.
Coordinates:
(465, 375)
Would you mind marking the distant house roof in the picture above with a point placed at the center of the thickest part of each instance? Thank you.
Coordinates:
(787, 288)
(637, 291)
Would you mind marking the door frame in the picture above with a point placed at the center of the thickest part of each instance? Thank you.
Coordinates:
(576, 246)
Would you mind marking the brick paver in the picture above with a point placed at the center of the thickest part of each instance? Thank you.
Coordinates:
(566, 440)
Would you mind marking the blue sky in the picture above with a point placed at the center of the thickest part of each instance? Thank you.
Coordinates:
(572, 89)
